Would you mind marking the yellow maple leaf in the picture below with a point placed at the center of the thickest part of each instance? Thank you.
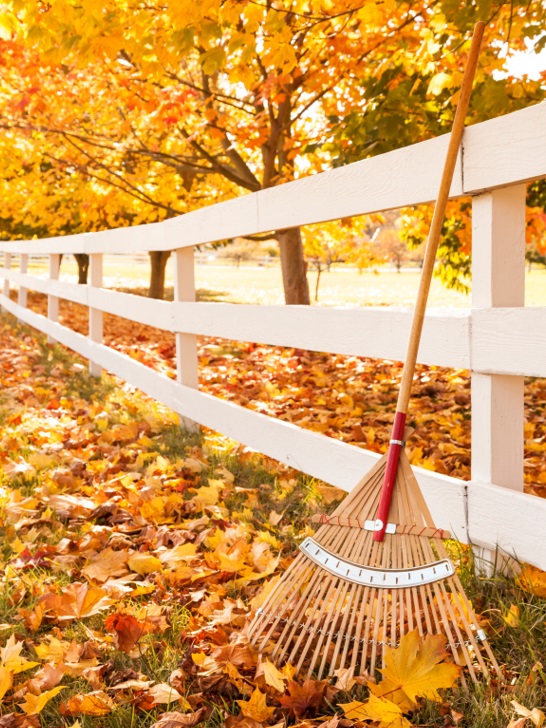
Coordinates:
(34, 704)
(272, 676)
(511, 616)
(207, 495)
(10, 657)
(53, 650)
(144, 563)
(533, 580)
(415, 669)
(182, 552)
(256, 708)
(384, 711)
(6, 680)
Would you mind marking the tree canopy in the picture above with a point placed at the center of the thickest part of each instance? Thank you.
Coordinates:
(128, 112)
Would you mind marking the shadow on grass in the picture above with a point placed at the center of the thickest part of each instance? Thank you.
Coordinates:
(202, 294)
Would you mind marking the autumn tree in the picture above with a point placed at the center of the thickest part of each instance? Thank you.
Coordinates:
(347, 241)
(409, 99)
(222, 96)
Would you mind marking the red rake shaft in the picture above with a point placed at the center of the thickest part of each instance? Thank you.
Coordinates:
(396, 442)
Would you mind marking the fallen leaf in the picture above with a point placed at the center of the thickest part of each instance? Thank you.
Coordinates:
(95, 703)
(144, 563)
(77, 601)
(535, 715)
(241, 721)
(256, 708)
(34, 704)
(10, 657)
(6, 680)
(272, 676)
(107, 564)
(533, 580)
(386, 713)
(345, 679)
(511, 616)
(179, 720)
(46, 678)
(163, 693)
(415, 669)
(16, 720)
(303, 698)
(128, 630)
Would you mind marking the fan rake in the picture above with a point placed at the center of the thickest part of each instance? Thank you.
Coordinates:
(377, 567)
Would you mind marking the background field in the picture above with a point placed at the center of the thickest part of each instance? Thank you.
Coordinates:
(262, 285)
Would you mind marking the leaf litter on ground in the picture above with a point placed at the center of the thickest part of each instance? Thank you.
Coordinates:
(132, 553)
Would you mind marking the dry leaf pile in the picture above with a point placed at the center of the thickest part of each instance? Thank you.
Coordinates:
(131, 558)
(346, 397)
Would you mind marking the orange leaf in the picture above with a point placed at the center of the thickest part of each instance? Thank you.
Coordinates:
(128, 630)
(77, 601)
(95, 703)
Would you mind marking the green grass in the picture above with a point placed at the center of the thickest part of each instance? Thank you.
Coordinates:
(263, 285)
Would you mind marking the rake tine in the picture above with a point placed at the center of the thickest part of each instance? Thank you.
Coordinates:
(334, 612)
(332, 609)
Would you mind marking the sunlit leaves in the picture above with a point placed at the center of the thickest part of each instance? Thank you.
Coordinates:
(95, 703)
(36, 703)
(416, 668)
(76, 601)
(256, 708)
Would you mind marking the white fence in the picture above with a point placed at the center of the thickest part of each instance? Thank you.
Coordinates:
(499, 339)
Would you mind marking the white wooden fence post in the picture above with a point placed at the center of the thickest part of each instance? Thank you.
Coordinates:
(498, 280)
(96, 317)
(7, 266)
(186, 344)
(53, 301)
(22, 295)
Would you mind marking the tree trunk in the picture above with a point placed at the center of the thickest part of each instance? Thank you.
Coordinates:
(319, 271)
(82, 259)
(158, 260)
(294, 278)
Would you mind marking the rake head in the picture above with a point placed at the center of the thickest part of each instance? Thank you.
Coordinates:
(346, 596)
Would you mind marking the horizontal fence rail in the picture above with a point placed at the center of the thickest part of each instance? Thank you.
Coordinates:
(497, 339)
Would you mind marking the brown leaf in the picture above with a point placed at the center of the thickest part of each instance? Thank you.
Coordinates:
(238, 654)
(303, 698)
(16, 720)
(129, 630)
(241, 721)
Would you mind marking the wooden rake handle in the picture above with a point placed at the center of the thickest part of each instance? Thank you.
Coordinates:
(424, 285)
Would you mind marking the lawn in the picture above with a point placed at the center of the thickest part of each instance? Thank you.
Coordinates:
(132, 553)
(263, 285)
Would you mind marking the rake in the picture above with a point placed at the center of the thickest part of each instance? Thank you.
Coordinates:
(377, 567)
